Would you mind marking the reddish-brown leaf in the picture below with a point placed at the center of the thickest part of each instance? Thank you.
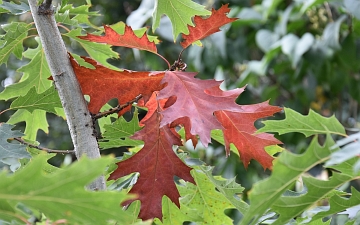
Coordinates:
(193, 102)
(128, 39)
(205, 27)
(157, 164)
(239, 129)
(103, 84)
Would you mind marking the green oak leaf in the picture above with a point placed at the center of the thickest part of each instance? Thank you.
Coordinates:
(64, 18)
(34, 121)
(81, 9)
(180, 13)
(36, 73)
(61, 195)
(11, 150)
(117, 134)
(97, 51)
(291, 206)
(209, 203)
(288, 167)
(308, 125)
(171, 213)
(228, 187)
(339, 203)
(16, 32)
(47, 101)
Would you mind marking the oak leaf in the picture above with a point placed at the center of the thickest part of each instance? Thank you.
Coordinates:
(128, 39)
(157, 164)
(239, 129)
(103, 84)
(192, 101)
(205, 27)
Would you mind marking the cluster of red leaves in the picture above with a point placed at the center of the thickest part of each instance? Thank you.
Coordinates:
(178, 98)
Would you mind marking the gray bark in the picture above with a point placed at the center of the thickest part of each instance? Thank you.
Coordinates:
(75, 107)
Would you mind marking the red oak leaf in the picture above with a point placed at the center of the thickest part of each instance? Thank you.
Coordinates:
(103, 84)
(128, 39)
(239, 129)
(194, 102)
(205, 27)
(157, 164)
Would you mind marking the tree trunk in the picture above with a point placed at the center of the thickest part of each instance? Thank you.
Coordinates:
(77, 114)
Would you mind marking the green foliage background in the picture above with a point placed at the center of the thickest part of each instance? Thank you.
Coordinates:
(299, 54)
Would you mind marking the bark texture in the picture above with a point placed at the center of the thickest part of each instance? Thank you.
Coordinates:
(73, 102)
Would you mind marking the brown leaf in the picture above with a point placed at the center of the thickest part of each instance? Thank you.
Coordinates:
(128, 39)
(157, 164)
(103, 84)
(205, 27)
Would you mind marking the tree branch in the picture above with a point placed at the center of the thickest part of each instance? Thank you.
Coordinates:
(44, 149)
(73, 102)
(116, 109)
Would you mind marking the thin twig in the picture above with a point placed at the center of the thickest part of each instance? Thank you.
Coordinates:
(60, 25)
(44, 149)
(116, 109)
(328, 11)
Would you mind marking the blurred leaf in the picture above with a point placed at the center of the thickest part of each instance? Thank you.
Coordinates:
(11, 150)
(302, 46)
(15, 8)
(248, 16)
(266, 39)
(55, 200)
(353, 7)
(36, 73)
(331, 33)
(286, 170)
(46, 101)
(180, 14)
(16, 32)
(308, 125)
(309, 3)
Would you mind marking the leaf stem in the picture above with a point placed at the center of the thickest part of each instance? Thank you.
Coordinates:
(62, 26)
(116, 109)
(167, 62)
(43, 148)
(1, 112)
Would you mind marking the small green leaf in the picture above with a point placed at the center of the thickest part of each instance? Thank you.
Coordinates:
(172, 215)
(209, 203)
(180, 13)
(98, 51)
(34, 121)
(308, 125)
(36, 73)
(46, 101)
(11, 150)
(118, 133)
(16, 32)
(61, 195)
